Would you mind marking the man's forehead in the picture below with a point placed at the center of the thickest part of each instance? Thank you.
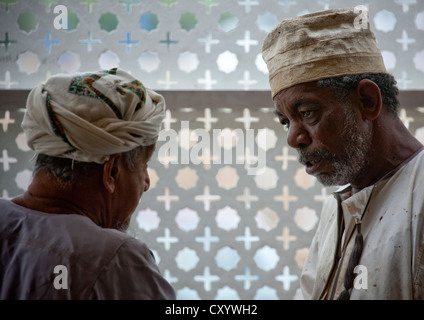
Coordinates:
(297, 92)
(301, 94)
(298, 89)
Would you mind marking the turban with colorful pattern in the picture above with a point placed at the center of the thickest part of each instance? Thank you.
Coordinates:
(89, 116)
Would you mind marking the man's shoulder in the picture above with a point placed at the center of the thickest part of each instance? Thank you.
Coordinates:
(413, 168)
(419, 158)
(67, 233)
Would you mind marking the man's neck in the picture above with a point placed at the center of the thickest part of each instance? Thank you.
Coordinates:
(392, 150)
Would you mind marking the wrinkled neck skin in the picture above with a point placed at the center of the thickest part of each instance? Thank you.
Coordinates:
(392, 144)
(88, 199)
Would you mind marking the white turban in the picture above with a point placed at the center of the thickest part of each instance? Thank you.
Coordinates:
(90, 116)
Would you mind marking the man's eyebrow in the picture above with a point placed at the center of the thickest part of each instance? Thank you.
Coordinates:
(298, 103)
(294, 106)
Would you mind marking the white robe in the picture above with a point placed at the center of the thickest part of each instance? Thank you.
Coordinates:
(392, 261)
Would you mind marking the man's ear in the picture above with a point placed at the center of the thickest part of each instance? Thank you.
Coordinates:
(110, 169)
(370, 99)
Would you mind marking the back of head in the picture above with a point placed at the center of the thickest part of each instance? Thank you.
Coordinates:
(87, 117)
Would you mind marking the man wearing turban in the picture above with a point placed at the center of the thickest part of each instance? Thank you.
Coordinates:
(64, 238)
(331, 90)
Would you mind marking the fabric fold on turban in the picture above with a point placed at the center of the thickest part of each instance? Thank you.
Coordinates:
(89, 116)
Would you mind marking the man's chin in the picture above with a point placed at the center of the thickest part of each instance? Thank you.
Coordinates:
(328, 180)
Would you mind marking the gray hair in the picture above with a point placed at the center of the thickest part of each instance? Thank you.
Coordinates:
(386, 82)
(68, 172)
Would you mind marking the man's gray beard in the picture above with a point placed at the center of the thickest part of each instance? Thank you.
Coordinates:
(353, 163)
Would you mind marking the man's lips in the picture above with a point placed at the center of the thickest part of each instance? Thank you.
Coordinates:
(312, 165)
(311, 162)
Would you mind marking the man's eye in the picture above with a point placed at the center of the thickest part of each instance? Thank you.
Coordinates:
(285, 123)
(308, 114)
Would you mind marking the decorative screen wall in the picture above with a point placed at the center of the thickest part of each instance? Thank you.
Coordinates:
(217, 229)
(182, 44)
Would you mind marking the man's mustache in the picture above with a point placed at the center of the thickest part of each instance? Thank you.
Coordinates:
(306, 157)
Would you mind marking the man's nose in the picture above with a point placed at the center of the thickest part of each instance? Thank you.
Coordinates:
(298, 136)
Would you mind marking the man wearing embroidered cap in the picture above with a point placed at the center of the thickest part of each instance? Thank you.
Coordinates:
(64, 238)
(331, 90)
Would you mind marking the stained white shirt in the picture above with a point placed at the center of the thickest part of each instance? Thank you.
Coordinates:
(392, 261)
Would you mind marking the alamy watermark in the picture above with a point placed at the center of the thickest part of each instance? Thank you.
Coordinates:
(361, 280)
(199, 146)
(61, 20)
(61, 280)
(361, 20)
